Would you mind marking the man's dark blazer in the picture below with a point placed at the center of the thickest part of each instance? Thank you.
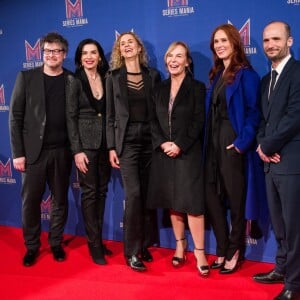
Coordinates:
(84, 119)
(27, 116)
(117, 103)
(279, 130)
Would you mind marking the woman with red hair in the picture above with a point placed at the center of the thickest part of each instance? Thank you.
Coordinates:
(231, 124)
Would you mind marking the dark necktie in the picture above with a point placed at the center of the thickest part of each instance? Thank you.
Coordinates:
(273, 80)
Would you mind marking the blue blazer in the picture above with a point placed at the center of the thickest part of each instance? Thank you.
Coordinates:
(242, 97)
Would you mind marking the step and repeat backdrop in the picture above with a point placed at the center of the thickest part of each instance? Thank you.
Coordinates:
(158, 23)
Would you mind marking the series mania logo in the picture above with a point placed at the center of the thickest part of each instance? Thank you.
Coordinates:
(5, 173)
(33, 55)
(178, 8)
(46, 209)
(294, 2)
(74, 14)
(3, 107)
(245, 36)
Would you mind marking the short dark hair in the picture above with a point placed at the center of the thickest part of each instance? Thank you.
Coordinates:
(102, 68)
(54, 37)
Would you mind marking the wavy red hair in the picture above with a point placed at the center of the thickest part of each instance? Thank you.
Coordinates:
(238, 58)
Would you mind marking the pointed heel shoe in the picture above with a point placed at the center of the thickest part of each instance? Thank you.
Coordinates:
(237, 265)
(178, 262)
(203, 269)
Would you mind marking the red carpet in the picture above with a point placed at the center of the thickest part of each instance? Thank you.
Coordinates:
(79, 278)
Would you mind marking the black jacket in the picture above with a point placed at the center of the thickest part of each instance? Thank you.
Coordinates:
(27, 116)
(117, 103)
(86, 123)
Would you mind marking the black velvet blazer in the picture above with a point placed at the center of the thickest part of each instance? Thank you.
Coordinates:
(85, 120)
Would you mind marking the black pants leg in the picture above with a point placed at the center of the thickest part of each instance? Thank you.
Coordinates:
(217, 215)
(33, 187)
(227, 190)
(278, 224)
(58, 173)
(52, 167)
(93, 194)
(139, 223)
(233, 179)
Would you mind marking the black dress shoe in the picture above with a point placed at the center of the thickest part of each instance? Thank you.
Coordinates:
(146, 255)
(30, 257)
(288, 295)
(135, 263)
(59, 253)
(97, 255)
(270, 277)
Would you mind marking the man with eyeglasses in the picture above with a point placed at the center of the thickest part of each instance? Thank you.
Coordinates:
(39, 144)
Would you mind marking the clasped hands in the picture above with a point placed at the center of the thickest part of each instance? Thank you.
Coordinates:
(170, 149)
(274, 158)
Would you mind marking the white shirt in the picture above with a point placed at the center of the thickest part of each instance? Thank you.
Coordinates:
(280, 67)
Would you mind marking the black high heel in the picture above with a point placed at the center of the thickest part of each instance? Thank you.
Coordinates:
(217, 265)
(237, 265)
(204, 269)
(180, 261)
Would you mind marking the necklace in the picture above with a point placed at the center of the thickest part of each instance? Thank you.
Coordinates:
(134, 74)
(93, 77)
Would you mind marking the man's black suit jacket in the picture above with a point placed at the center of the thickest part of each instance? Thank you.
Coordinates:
(27, 116)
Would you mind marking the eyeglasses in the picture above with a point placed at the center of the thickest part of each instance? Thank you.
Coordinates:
(53, 51)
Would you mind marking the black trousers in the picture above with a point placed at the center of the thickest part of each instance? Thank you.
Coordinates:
(283, 192)
(53, 168)
(227, 190)
(93, 194)
(140, 224)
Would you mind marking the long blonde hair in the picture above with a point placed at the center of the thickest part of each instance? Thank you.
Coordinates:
(117, 61)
